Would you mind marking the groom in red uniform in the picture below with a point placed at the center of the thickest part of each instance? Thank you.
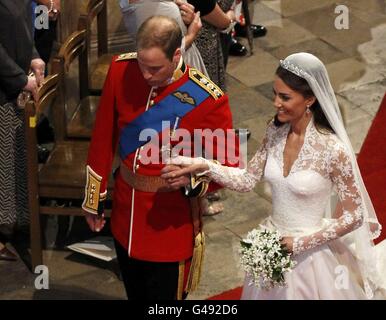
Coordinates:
(152, 223)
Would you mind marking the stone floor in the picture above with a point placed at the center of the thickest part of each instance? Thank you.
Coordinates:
(356, 61)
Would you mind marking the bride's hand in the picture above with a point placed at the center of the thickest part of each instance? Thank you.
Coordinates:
(182, 166)
(288, 242)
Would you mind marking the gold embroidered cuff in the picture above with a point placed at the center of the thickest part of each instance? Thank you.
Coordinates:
(94, 199)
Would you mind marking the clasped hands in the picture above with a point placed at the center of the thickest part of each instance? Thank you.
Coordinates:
(178, 170)
(177, 175)
(36, 78)
(191, 19)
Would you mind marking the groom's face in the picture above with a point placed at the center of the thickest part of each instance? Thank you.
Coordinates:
(156, 68)
(290, 104)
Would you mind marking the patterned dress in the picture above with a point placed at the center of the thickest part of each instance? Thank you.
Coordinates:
(209, 44)
(13, 170)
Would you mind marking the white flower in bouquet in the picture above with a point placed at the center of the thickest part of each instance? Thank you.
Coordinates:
(264, 258)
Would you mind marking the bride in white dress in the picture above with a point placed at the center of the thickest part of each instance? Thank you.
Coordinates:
(305, 155)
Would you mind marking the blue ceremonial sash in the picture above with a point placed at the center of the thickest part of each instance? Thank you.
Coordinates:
(168, 109)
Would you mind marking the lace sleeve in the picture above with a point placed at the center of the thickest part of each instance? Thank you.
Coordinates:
(351, 216)
(242, 180)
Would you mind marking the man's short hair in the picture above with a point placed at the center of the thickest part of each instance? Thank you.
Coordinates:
(160, 32)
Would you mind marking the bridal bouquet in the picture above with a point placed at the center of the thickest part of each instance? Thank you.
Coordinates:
(265, 259)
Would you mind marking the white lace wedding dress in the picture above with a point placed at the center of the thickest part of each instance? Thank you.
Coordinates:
(326, 267)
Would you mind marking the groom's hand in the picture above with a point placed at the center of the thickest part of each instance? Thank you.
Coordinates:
(172, 174)
(95, 222)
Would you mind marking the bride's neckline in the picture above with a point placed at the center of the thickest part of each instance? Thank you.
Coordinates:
(301, 151)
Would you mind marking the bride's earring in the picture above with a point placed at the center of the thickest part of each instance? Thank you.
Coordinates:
(308, 111)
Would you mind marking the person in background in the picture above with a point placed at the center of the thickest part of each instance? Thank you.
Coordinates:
(17, 58)
(240, 30)
(44, 38)
(217, 17)
(44, 41)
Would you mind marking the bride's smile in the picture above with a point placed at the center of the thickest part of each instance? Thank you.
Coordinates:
(291, 105)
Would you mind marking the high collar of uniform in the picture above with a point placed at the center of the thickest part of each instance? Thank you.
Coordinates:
(180, 70)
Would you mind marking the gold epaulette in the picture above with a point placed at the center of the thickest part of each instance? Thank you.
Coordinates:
(204, 82)
(126, 56)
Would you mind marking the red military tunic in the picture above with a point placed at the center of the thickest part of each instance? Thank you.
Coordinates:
(153, 226)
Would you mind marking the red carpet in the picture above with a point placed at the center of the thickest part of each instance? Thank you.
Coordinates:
(372, 163)
(233, 294)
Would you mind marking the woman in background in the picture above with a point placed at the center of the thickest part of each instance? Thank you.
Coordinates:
(17, 57)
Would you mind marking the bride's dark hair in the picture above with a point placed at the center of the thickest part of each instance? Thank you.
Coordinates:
(301, 86)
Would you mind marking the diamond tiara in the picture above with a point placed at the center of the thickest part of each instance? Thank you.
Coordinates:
(294, 69)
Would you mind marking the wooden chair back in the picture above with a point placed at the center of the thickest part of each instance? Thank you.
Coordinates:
(73, 49)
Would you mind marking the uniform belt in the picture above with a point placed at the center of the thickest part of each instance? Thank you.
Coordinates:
(143, 183)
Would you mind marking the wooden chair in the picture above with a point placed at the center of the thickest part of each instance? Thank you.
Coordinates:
(63, 175)
(96, 9)
(77, 123)
(60, 177)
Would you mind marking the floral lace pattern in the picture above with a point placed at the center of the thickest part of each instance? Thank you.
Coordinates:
(242, 180)
(299, 199)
